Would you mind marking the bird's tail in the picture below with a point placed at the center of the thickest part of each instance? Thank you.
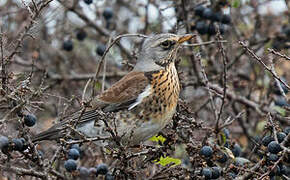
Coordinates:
(58, 130)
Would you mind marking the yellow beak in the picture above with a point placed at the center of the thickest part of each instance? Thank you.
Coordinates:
(185, 38)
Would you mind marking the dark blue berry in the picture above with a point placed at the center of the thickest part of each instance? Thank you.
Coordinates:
(207, 13)
(81, 34)
(266, 140)
(76, 146)
(84, 172)
(102, 169)
(237, 150)
(274, 147)
(216, 172)
(281, 136)
(206, 151)
(211, 29)
(273, 157)
(108, 13)
(223, 158)
(88, 1)
(73, 154)
(201, 27)
(70, 165)
(101, 50)
(4, 143)
(67, 45)
(199, 10)
(109, 176)
(216, 17)
(226, 19)
(29, 120)
(17, 144)
(25, 145)
(207, 173)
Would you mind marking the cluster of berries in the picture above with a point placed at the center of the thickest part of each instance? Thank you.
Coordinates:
(227, 161)
(71, 165)
(17, 144)
(81, 34)
(107, 13)
(67, 45)
(271, 152)
(207, 18)
(214, 170)
(210, 172)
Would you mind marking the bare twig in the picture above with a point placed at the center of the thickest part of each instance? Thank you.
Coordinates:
(276, 80)
(23, 172)
(3, 67)
(224, 59)
(257, 58)
(85, 90)
(213, 106)
(86, 140)
(279, 54)
(229, 121)
(241, 99)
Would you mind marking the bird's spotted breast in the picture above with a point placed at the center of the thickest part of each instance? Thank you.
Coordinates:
(155, 110)
(161, 104)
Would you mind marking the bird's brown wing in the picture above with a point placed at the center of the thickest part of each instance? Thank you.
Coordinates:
(123, 93)
(119, 96)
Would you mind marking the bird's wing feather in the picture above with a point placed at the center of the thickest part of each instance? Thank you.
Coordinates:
(123, 93)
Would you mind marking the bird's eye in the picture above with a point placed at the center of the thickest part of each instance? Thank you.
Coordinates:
(167, 44)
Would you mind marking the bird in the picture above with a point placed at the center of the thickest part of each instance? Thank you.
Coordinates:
(143, 101)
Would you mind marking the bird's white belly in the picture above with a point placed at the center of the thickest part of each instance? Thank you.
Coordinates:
(135, 135)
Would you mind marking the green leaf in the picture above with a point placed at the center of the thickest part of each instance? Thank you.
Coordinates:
(158, 139)
(222, 139)
(280, 110)
(236, 3)
(163, 161)
(98, 85)
(261, 126)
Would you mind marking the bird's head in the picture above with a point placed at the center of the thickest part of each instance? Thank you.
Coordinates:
(159, 50)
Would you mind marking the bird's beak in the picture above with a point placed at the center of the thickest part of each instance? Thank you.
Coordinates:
(185, 38)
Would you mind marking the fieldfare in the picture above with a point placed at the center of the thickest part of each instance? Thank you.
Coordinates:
(144, 100)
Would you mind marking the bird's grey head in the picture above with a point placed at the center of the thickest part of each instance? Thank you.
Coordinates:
(159, 50)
